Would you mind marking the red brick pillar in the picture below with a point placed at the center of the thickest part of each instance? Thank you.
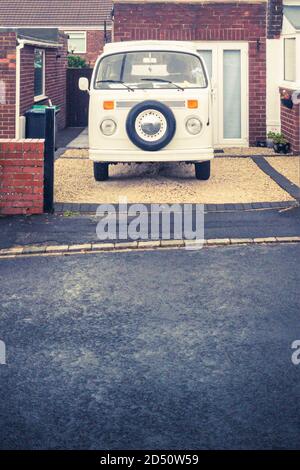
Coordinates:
(275, 17)
(21, 176)
(290, 123)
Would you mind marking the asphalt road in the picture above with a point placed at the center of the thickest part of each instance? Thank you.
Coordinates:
(57, 229)
(154, 350)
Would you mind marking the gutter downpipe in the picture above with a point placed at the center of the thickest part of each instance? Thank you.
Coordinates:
(18, 85)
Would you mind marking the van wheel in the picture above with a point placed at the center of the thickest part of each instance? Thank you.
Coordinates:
(202, 170)
(101, 171)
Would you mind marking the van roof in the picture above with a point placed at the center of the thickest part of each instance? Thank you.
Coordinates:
(146, 45)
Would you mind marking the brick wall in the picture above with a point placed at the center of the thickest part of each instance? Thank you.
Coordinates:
(290, 125)
(21, 176)
(7, 84)
(204, 22)
(56, 78)
(55, 85)
(94, 46)
(275, 16)
(27, 79)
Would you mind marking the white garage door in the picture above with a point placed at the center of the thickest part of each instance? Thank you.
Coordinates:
(227, 64)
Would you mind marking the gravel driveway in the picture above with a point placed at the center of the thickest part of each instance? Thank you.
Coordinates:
(233, 180)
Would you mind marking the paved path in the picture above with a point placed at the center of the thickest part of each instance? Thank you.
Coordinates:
(58, 229)
(155, 350)
(81, 141)
(66, 136)
(71, 138)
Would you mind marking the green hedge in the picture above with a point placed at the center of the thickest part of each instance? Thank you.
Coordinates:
(76, 62)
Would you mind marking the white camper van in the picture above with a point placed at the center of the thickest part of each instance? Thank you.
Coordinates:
(150, 101)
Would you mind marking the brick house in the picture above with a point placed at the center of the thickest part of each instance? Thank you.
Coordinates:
(238, 40)
(251, 48)
(33, 66)
(86, 22)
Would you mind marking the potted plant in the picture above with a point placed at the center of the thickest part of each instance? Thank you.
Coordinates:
(270, 139)
(281, 145)
(261, 143)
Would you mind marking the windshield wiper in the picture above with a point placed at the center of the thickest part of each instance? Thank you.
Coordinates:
(163, 81)
(115, 81)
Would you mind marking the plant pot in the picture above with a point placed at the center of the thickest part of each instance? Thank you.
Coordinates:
(282, 148)
(287, 102)
(261, 143)
(270, 143)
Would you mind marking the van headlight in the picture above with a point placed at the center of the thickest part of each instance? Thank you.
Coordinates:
(108, 127)
(193, 125)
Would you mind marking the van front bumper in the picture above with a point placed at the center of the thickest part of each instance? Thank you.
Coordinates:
(135, 156)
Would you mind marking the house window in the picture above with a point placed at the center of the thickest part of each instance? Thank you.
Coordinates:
(290, 59)
(76, 42)
(39, 73)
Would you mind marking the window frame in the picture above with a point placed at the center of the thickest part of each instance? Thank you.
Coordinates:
(286, 83)
(85, 41)
(294, 39)
(43, 94)
(154, 50)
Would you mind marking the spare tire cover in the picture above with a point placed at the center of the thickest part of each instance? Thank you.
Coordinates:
(151, 125)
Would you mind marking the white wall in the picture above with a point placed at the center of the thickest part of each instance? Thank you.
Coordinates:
(274, 78)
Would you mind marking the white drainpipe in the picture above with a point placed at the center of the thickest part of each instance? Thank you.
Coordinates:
(18, 87)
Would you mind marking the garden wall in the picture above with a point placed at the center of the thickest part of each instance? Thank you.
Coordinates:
(290, 124)
(21, 176)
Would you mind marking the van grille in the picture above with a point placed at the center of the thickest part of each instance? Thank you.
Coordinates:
(170, 104)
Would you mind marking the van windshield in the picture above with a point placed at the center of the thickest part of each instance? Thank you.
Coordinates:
(150, 69)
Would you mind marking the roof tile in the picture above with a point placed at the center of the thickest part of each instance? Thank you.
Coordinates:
(58, 13)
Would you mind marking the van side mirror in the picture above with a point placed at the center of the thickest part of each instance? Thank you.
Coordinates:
(83, 84)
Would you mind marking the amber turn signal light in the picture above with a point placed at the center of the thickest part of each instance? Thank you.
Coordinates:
(192, 104)
(108, 104)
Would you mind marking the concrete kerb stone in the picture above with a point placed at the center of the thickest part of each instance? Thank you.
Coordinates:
(138, 245)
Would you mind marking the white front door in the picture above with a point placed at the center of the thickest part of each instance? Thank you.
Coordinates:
(227, 64)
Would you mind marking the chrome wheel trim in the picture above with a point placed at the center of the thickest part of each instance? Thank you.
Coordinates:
(151, 125)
